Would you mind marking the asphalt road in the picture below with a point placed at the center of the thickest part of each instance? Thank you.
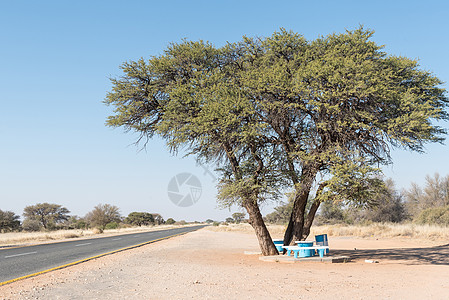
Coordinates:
(18, 262)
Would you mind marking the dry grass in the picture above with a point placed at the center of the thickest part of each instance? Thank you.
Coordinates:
(23, 238)
(426, 232)
(386, 230)
(276, 231)
(377, 230)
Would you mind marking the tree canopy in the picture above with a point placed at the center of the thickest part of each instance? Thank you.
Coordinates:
(47, 214)
(283, 113)
(103, 214)
(9, 221)
(139, 219)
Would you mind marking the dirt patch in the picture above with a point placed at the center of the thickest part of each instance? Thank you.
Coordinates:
(210, 265)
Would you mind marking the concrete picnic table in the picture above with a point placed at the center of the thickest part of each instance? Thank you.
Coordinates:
(297, 249)
(305, 249)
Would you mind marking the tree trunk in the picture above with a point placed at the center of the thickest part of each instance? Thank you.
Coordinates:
(312, 212)
(263, 235)
(255, 217)
(296, 223)
(295, 228)
(310, 218)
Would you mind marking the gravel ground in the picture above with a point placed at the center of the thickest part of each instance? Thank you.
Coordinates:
(211, 265)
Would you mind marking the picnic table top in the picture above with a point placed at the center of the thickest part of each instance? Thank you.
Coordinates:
(305, 248)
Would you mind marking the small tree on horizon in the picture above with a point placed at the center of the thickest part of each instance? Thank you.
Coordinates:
(170, 221)
(139, 219)
(238, 217)
(229, 220)
(48, 215)
(103, 214)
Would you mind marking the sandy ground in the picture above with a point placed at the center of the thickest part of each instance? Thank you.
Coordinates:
(211, 265)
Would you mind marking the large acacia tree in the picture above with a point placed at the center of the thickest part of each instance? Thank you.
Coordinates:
(316, 116)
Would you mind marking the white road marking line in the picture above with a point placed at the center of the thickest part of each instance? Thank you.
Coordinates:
(116, 239)
(79, 245)
(20, 254)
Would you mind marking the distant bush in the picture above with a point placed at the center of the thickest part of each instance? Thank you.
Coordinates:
(140, 218)
(112, 225)
(216, 223)
(170, 221)
(31, 225)
(238, 217)
(435, 215)
(81, 224)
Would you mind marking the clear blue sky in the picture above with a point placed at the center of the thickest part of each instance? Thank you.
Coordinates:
(56, 58)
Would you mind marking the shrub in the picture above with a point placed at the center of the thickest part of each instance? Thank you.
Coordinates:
(81, 224)
(31, 225)
(139, 218)
(170, 221)
(216, 223)
(111, 225)
(435, 215)
(102, 215)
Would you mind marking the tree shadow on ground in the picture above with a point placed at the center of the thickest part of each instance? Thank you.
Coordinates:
(438, 255)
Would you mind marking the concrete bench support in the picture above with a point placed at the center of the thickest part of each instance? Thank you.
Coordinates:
(295, 249)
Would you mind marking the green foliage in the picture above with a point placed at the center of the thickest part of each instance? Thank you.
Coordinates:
(48, 215)
(216, 223)
(332, 212)
(388, 205)
(76, 222)
(102, 214)
(209, 221)
(434, 216)
(9, 221)
(229, 220)
(170, 221)
(112, 225)
(280, 215)
(81, 224)
(384, 205)
(139, 219)
(31, 225)
(238, 217)
(352, 180)
(284, 112)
